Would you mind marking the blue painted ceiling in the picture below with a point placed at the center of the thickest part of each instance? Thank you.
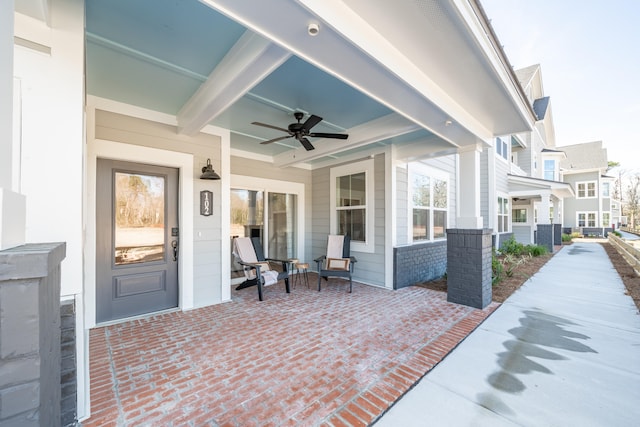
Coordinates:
(157, 53)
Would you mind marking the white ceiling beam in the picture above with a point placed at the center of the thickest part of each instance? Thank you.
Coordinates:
(385, 127)
(249, 61)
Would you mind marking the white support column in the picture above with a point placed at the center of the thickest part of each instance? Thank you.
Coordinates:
(469, 185)
(12, 204)
(543, 208)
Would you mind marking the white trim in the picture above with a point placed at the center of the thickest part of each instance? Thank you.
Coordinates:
(390, 214)
(504, 196)
(366, 166)
(586, 189)
(586, 219)
(433, 173)
(98, 148)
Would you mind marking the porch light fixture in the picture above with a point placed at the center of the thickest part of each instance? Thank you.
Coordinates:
(208, 172)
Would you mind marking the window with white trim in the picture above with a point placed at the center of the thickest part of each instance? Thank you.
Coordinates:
(586, 219)
(586, 190)
(502, 148)
(606, 219)
(352, 199)
(429, 203)
(550, 169)
(606, 186)
(519, 215)
(503, 214)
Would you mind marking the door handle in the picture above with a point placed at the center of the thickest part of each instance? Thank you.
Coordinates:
(174, 245)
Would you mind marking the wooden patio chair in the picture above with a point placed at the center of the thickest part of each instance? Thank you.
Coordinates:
(338, 261)
(258, 270)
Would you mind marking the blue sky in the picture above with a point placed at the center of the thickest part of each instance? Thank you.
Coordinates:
(589, 51)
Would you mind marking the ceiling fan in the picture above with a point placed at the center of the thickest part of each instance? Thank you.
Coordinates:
(301, 131)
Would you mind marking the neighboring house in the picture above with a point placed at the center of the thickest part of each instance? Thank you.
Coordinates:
(618, 218)
(110, 110)
(522, 190)
(592, 210)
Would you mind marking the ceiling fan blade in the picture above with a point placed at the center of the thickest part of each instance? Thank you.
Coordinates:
(329, 135)
(276, 139)
(306, 144)
(311, 122)
(270, 126)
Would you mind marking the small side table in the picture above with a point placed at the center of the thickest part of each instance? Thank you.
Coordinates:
(302, 268)
(292, 262)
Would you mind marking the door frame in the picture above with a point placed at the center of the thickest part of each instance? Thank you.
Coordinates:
(275, 186)
(134, 153)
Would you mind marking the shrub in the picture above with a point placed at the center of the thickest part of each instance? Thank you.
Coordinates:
(536, 250)
(496, 269)
(566, 237)
(512, 247)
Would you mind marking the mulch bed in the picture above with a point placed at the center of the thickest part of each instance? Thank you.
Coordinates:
(522, 273)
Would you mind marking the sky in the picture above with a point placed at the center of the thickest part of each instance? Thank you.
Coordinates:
(589, 53)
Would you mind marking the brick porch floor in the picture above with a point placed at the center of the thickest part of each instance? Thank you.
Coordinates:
(305, 358)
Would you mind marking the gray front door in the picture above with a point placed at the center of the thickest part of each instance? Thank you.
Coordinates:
(137, 239)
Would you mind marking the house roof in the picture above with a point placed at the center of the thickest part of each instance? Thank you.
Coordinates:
(588, 155)
(540, 106)
(526, 74)
(530, 187)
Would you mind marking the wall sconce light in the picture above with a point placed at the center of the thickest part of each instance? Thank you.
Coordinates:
(208, 172)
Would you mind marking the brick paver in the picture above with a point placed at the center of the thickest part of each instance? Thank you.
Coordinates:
(305, 358)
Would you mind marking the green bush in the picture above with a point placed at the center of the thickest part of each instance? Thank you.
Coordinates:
(566, 237)
(536, 250)
(496, 269)
(512, 247)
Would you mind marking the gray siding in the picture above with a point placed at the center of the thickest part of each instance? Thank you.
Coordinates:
(502, 169)
(573, 204)
(370, 266)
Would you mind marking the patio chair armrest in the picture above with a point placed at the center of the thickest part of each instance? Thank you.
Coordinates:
(256, 266)
(320, 258)
(353, 259)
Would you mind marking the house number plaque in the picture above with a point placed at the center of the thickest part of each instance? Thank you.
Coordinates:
(206, 202)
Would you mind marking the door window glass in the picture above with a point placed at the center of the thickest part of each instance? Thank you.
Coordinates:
(139, 218)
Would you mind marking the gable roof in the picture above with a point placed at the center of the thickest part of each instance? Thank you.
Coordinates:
(588, 155)
(525, 75)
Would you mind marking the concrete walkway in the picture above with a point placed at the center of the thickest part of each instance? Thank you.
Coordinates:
(563, 350)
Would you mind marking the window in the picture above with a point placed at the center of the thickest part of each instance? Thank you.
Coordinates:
(352, 199)
(351, 206)
(503, 214)
(519, 215)
(605, 189)
(614, 206)
(586, 190)
(550, 170)
(606, 219)
(586, 219)
(429, 204)
(502, 148)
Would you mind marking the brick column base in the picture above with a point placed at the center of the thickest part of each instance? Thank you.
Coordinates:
(469, 267)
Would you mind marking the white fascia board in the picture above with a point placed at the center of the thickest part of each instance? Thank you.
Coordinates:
(469, 15)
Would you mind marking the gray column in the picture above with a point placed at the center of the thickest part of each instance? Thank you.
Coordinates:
(30, 335)
(544, 236)
(469, 267)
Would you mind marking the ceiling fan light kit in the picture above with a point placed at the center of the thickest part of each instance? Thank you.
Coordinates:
(301, 131)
